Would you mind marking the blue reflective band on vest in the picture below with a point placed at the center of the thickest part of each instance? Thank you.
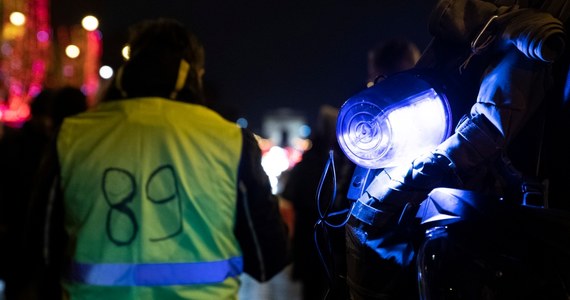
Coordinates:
(119, 274)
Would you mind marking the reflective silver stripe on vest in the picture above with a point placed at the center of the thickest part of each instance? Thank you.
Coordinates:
(120, 274)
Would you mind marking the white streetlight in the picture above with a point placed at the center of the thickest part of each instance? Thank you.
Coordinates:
(72, 51)
(17, 18)
(90, 23)
(106, 72)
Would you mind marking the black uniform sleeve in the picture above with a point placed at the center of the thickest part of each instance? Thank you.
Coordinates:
(260, 229)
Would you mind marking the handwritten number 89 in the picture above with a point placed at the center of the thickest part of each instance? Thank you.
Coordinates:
(119, 188)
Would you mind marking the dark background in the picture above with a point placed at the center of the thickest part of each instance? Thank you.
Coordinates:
(266, 55)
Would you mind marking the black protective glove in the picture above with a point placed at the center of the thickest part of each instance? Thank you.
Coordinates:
(394, 187)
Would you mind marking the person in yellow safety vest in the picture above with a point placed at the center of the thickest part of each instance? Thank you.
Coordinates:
(154, 195)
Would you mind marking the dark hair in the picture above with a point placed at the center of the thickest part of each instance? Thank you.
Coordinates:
(67, 101)
(392, 56)
(157, 48)
(41, 104)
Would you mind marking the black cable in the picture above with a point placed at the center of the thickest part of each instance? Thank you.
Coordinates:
(329, 165)
(323, 222)
(323, 216)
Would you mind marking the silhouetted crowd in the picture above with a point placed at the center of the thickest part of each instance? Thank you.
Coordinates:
(150, 193)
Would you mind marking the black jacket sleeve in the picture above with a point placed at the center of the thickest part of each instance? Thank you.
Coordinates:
(260, 229)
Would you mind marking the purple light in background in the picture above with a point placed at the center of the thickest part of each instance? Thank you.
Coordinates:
(68, 70)
(35, 89)
(7, 49)
(42, 36)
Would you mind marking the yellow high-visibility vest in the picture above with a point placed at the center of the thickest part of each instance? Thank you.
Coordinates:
(150, 189)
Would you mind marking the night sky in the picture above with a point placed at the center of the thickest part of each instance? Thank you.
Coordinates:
(266, 55)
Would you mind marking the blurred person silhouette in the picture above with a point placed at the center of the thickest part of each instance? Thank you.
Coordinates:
(493, 187)
(300, 193)
(63, 102)
(21, 150)
(389, 57)
(67, 101)
(153, 195)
